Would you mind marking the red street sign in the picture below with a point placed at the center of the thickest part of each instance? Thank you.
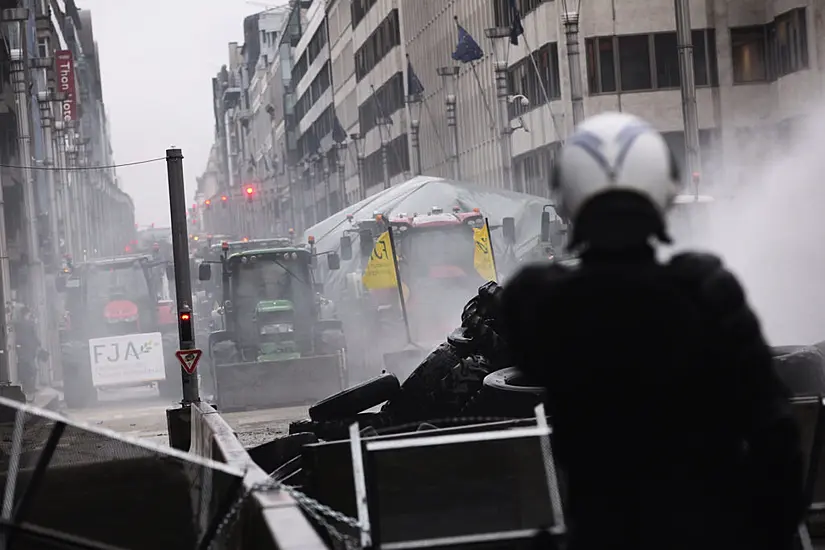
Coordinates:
(64, 63)
(189, 359)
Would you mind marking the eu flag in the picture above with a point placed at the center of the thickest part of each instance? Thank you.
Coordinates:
(467, 50)
(414, 86)
(516, 29)
(338, 133)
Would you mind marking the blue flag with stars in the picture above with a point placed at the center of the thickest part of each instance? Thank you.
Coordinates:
(516, 29)
(414, 86)
(467, 50)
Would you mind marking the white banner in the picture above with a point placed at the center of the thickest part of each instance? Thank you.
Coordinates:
(130, 359)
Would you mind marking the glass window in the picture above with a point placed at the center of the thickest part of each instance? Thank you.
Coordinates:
(749, 54)
(634, 63)
(700, 58)
(607, 65)
(601, 67)
(667, 60)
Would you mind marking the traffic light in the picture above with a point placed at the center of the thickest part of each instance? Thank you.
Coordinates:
(185, 325)
(250, 191)
(207, 203)
(224, 198)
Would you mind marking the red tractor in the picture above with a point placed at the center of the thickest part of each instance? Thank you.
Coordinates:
(435, 253)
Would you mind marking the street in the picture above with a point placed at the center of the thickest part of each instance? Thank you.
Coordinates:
(139, 412)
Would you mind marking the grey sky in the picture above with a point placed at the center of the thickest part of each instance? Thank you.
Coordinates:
(157, 60)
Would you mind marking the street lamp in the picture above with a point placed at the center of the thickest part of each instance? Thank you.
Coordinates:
(570, 20)
(449, 75)
(385, 127)
(341, 156)
(414, 101)
(358, 141)
(500, 40)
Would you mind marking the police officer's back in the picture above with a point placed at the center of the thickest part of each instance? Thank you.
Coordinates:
(670, 424)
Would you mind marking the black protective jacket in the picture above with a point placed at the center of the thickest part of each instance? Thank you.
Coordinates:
(671, 427)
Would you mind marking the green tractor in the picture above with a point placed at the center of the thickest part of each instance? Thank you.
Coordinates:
(279, 342)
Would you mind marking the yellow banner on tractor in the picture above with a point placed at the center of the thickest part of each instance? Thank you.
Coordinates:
(380, 272)
(483, 259)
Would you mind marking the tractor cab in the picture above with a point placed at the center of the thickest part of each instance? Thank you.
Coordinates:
(269, 298)
(113, 296)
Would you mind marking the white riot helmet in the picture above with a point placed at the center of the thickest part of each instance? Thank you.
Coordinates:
(614, 180)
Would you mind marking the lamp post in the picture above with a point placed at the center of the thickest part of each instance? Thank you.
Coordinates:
(62, 183)
(327, 188)
(342, 173)
(384, 128)
(358, 141)
(570, 20)
(684, 39)
(15, 21)
(414, 101)
(449, 76)
(499, 37)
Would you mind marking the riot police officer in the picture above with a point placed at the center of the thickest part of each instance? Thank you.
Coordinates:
(669, 422)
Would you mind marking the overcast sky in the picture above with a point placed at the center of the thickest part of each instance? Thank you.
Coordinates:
(157, 61)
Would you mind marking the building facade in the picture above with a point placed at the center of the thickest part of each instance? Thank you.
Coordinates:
(346, 101)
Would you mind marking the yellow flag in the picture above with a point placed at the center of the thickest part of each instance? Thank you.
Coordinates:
(483, 258)
(380, 272)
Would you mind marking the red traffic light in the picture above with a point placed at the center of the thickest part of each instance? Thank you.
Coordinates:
(208, 202)
(250, 190)
(223, 198)
(185, 317)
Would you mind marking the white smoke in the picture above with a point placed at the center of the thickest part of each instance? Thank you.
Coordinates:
(770, 230)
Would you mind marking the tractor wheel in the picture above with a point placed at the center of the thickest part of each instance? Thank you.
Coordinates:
(356, 399)
(413, 401)
(507, 392)
(458, 387)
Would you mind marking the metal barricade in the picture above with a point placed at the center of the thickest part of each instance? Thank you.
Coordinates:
(72, 486)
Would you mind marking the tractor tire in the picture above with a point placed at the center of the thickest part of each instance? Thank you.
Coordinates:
(508, 393)
(413, 401)
(801, 368)
(458, 388)
(351, 401)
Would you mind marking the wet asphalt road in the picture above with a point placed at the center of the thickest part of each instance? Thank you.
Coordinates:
(139, 412)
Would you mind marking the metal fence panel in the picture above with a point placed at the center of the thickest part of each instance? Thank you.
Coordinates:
(68, 481)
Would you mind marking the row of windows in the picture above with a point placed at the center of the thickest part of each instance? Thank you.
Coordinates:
(398, 160)
(316, 89)
(502, 14)
(384, 102)
(523, 79)
(314, 48)
(638, 62)
(766, 52)
(381, 42)
(343, 66)
(359, 9)
(531, 172)
(310, 142)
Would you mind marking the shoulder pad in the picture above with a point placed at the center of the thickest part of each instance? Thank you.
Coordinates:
(696, 263)
(706, 275)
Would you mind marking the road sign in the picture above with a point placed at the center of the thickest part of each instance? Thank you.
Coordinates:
(189, 359)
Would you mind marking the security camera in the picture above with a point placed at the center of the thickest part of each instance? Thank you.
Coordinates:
(525, 102)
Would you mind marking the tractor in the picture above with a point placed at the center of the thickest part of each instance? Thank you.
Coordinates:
(277, 340)
(114, 333)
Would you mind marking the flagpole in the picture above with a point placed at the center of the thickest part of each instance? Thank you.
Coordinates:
(478, 80)
(492, 252)
(398, 285)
